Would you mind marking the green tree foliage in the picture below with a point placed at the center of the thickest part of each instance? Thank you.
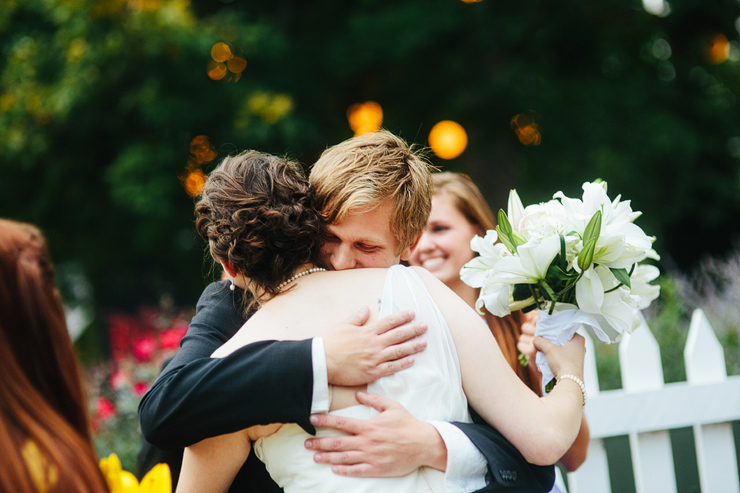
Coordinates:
(101, 100)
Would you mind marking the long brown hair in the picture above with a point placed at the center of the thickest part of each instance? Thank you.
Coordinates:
(45, 441)
(468, 199)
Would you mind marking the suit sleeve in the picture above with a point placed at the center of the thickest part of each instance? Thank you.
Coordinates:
(508, 470)
(197, 397)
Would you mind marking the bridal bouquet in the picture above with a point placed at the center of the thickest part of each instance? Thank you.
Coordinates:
(576, 260)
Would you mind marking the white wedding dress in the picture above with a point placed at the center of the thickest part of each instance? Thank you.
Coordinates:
(430, 390)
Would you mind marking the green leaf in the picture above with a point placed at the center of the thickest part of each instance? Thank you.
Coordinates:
(622, 276)
(550, 385)
(521, 292)
(555, 272)
(529, 308)
(562, 262)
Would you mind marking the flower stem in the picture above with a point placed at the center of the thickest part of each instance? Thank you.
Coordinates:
(550, 385)
(522, 360)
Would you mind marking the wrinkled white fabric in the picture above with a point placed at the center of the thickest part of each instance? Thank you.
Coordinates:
(430, 390)
(559, 328)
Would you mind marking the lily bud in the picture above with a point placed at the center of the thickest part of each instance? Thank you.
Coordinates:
(593, 229)
(587, 255)
(506, 233)
(504, 226)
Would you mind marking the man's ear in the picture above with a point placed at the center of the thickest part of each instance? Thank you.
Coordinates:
(407, 253)
(228, 268)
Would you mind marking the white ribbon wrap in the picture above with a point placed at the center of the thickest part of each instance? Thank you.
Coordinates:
(559, 328)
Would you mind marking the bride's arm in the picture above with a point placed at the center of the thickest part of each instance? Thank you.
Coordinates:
(212, 464)
(541, 428)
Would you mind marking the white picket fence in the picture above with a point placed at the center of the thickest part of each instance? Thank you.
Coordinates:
(646, 408)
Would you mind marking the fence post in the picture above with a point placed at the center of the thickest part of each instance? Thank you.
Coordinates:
(652, 457)
(593, 475)
(715, 446)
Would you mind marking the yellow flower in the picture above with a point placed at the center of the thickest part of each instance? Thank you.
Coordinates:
(111, 467)
(157, 480)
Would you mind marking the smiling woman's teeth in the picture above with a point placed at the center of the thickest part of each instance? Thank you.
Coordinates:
(433, 262)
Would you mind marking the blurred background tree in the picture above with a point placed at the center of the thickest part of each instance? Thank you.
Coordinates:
(112, 110)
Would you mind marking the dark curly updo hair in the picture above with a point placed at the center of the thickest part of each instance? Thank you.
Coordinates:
(256, 212)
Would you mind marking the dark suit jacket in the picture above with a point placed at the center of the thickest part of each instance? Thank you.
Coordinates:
(196, 397)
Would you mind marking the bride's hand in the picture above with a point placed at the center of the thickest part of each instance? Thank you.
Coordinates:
(357, 354)
(565, 359)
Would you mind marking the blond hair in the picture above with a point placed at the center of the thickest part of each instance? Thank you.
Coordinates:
(466, 197)
(360, 173)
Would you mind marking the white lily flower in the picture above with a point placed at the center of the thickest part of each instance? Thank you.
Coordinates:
(595, 295)
(515, 211)
(621, 243)
(619, 310)
(543, 220)
(590, 291)
(477, 271)
(531, 263)
(652, 254)
(641, 286)
(615, 252)
(495, 297)
(599, 300)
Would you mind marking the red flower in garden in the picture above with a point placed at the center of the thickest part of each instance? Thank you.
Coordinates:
(121, 328)
(104, 409)
(144, 348)
(119, 378)
(170, 339)
(140, 388)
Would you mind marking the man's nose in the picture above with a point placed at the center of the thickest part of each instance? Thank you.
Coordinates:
(342, 258)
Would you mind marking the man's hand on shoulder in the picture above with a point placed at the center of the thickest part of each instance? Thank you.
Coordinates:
(393, 443)
(357, 354)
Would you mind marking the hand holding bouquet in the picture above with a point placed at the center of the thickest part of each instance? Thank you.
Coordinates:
(576, 260)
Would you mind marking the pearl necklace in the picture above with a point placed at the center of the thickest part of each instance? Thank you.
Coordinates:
(300, 274)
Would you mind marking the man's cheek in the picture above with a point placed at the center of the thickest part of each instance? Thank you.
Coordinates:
(325, 253)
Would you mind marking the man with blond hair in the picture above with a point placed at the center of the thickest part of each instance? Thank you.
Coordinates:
(374, 192)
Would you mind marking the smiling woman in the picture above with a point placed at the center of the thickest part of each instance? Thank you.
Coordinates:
(459, 213)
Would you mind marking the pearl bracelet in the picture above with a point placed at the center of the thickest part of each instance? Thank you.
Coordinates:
(578, 382)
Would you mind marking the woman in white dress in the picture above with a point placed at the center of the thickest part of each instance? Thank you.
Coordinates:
(268, 236)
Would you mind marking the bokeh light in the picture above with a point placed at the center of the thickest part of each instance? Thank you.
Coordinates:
(471, 1)
(225, 64)
(526, 128)
(270, 107)
(718, 50)
(365, 117)
(236, 64)
(201, 150)
(194, 182)
(448, 139)
(221, 52)
(216, 70)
